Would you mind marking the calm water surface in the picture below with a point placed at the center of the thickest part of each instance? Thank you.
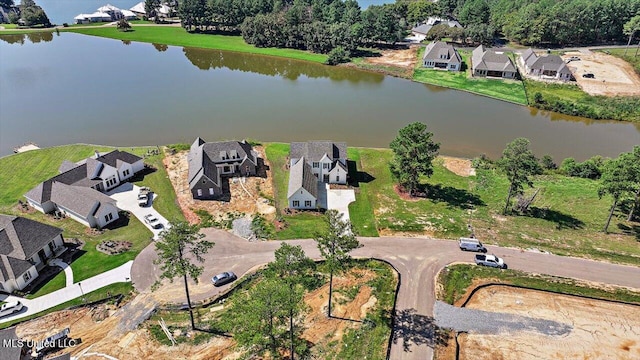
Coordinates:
(74, 88)
(63, 11)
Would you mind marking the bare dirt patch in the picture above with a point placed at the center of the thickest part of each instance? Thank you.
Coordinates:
(405, 58)
(601, 329)
(248, 197)
(458, 166)
(613, 76)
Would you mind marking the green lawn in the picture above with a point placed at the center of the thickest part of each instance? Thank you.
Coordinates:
(177, 36)
(456, 281)
(21, 172)
(567, 217)
(361, 211)
(109, 290)
(507, 90)
(57, 283)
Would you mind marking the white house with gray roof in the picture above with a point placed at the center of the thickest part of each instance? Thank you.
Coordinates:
(77, 191)
(25, 247)
(490, 63)
(545, 67)
(210, 162)
(440, 55)
(328, 160)
(303, 186)
(420, 31)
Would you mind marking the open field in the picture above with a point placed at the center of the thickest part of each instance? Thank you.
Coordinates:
(177, 36)
(507, 90)
(613, 76)
(629, 57)
(600, 329)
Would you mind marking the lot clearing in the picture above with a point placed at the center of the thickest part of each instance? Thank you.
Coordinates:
(600, 329)
(613, 76)
(405, 58)
(248, 196)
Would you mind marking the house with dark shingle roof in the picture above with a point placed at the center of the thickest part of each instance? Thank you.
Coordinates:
(211, 162)
(421, 30)
(25, 247)
(545, 67)
(77, 190)
(303, 186)
(440, 55)
(328, 159)
(490, 63)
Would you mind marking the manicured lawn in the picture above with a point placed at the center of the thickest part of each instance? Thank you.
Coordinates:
(567, 217)
(361, 210)
(507, 90)
(300, 226)
(456, 280)
(277, 154)
(109, 290)
(57, 283)
(177, 36)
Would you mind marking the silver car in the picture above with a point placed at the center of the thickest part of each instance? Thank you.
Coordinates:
(223, 278)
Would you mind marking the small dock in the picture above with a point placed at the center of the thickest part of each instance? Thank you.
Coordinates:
(25, 147)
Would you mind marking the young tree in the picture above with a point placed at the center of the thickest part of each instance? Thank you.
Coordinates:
(414, 151)
(519, 163)
(123, 25)
(175, 242)
(151, 8)
(632, 160)
(615, 182)
(335, 242)
(291, 265)
(630, 28)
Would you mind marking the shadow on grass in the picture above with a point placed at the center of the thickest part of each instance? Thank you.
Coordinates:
(123, 220)
(415, 329)
(356, 176)
(459, 198)
(563, 221)
(633, 230)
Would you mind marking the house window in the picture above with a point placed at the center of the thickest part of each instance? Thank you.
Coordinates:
(307, 203)
(337, 178)
(226, 169)
(27, 276)
(210, 191)
(316, 165)
(325, 166)
(51, 247)
(296, 203)
(199, 192)
(125, 173)
(108, 217)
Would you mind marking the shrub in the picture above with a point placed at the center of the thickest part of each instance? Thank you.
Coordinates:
(337, 56)
(589, 169)
(547, 163)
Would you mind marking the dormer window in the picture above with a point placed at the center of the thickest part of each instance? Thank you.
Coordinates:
(223, 155)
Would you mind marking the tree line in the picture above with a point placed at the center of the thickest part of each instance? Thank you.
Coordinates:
(27, 13)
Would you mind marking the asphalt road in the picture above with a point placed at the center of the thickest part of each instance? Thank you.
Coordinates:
(418, 260)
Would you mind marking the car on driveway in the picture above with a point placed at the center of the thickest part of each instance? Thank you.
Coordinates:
(223, 278)
(153, 221)
(589, 76)
(143, 196)
(10, 307)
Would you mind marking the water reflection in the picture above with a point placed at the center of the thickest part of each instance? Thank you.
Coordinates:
(33, 37)
(205, 59)
(160, 47)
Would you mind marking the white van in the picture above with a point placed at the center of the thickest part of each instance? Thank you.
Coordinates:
(10, 308)
(471, 244)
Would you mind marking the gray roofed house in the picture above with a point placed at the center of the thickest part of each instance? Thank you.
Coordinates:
(545, 67)
(79, 185)
(211, 162)
(25, 246)
(491, 63)
(440, 55)
(9, 336)
(328, 159)
(421, 30)
(303, 186)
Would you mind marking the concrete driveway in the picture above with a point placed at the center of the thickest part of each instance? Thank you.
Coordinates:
(339, 199)
(418, 261)
(126, 197)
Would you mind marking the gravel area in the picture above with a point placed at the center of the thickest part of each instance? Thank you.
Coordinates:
(242, 228)
(485, 322)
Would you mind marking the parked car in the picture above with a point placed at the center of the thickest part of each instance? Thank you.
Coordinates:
(223, 278)
(10, 307)
(588, 76)
(574, 58)
(491, 261)
(471, 244)
(153, 221)
(143, 196)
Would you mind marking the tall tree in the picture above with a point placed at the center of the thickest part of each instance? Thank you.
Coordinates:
(632, 160)
(291, 265)
(414, 152)
(179, 246)
(630, 28)
(615, 181)
(151, 8)
(519, 164)
(335, 242)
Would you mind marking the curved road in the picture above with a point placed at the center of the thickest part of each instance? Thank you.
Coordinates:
(417, 260)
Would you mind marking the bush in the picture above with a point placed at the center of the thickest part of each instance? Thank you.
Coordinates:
(547, 163)
(337, 56)
(483, 162)
(589, 169)
(261, 228)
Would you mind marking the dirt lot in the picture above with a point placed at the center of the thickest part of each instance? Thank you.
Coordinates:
(405, 58)
(613, 76)
(458, 166)
(246, 197)
(601, 329)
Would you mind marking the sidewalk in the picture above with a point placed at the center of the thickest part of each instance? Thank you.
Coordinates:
(34, 306)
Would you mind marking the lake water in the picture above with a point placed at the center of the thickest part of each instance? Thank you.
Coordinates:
(67, 88)
(63, 11)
